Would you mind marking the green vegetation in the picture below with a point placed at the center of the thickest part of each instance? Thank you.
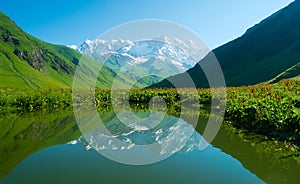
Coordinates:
(27, 62)
(265, 51)
(27, 100)
(293, 72)
(272, 110)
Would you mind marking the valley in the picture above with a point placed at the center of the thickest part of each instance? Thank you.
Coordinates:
(45, 90)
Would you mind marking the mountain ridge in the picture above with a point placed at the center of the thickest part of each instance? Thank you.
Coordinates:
(261, 54)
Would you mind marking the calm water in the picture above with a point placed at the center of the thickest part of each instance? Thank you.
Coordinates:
(49, 148)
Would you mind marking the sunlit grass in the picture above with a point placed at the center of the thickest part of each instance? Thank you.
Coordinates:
(271, 110)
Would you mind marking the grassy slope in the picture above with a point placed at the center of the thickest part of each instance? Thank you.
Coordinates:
(21, 73)
(293, 72)
(262, 53)
(27, 62)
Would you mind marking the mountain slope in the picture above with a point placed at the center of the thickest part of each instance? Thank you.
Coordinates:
(262, 53)
(293, 72)
(27, 62)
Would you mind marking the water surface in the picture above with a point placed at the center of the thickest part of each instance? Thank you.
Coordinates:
(49, 148)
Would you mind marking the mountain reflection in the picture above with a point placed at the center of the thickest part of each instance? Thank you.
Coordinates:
(169, 136)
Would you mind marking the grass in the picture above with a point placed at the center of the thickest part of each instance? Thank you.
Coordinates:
(26, 59)
(28, 62)
(272, 110)
(31, 100)
(292, 72)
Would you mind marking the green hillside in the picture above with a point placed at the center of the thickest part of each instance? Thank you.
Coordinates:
(293, 72)
(27, 62)
(269, 51)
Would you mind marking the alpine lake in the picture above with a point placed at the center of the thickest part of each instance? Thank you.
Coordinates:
(48, 147)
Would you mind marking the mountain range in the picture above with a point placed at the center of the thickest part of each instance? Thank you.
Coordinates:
(158, 57)
(27, 62)
(266, 53)
(178, 53)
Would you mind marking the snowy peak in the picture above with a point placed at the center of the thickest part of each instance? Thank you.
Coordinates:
(182, 54)
(100, 46)
(159, 57)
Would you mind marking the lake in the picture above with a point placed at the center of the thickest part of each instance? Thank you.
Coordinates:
(50, 148)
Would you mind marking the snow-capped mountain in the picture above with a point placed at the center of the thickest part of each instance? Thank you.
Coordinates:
(162, 56)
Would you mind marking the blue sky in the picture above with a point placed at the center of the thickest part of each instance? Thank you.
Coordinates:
(71, 22)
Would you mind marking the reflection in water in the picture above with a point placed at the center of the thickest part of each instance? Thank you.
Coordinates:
(171, 135)
(22, 135)
(105, 142)
(228, 159)
(138, 140)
